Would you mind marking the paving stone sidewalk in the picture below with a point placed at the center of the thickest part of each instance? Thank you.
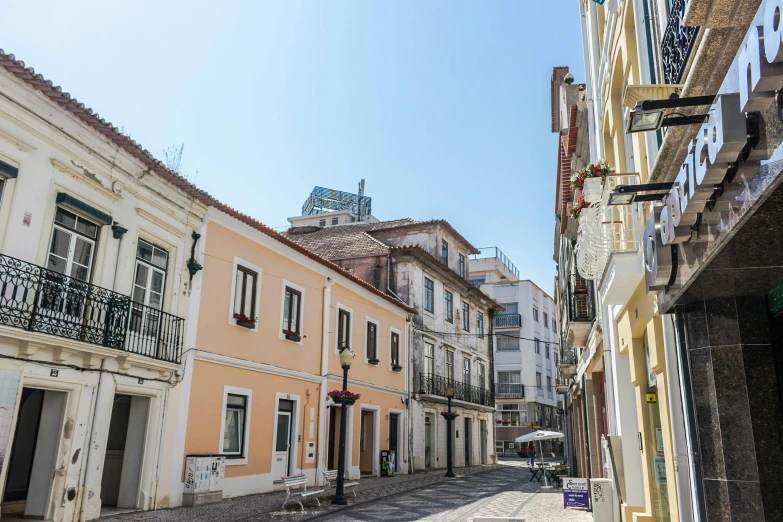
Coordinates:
(505, 492)
(266, 507)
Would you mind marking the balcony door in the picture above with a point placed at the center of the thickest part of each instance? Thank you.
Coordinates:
(70, 261)
(148, 283)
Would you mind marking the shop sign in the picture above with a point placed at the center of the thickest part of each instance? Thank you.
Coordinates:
(652, 397)
(576, 493)
(717, 146)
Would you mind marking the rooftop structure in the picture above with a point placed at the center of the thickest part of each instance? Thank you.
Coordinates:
(325, 200)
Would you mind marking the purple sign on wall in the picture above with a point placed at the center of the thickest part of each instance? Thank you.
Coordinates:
(576, 493)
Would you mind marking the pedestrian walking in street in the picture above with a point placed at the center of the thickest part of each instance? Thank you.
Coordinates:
(531, 452)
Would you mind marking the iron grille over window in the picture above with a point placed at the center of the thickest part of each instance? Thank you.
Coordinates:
(677, 43)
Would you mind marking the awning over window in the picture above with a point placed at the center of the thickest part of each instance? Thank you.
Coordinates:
(69, 201)
(7, 170)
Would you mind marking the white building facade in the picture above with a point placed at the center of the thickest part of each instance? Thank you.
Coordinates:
(525, 349)
(94, 289)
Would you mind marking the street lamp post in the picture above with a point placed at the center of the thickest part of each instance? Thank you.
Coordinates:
(449, 395)
(346, 357)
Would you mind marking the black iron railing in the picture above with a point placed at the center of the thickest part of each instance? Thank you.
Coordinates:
(676, 44)
(581, 299)
(41, 300)
(505, 390)
(508, 321)
(567, 357)
(436, 385)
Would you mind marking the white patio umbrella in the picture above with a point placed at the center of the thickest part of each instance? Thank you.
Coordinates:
(539, 436)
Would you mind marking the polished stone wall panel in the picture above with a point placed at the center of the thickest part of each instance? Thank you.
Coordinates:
(722, 322)
(746, 502)
(766, 419)
(716, 498)
(735, 396)
(706, 406)
(736, 432)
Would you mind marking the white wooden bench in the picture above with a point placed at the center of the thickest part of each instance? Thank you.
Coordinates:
(331, 481)
(296, 490)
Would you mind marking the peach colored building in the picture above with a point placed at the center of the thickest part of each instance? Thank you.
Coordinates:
(268, 318)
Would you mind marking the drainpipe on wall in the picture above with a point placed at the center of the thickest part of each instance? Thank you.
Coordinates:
(492, 378)
(408, 380)
(586, 429)
(325, 319)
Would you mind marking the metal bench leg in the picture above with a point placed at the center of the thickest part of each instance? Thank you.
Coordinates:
(300, 505)
(316, 499)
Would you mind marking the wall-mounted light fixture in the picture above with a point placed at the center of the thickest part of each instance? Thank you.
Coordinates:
(627, 194)
(648, 115)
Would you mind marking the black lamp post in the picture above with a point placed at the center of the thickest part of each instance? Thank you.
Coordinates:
(346, 357)
(449, 419)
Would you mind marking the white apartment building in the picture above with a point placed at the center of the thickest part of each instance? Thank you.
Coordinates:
(525, 350)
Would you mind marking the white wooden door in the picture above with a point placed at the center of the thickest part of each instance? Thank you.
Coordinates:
(280, 467)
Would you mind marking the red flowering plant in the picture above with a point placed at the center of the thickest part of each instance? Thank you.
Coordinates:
(343, 396)
(449, 414)
(579, 204)
(243, 320)
(593, 170)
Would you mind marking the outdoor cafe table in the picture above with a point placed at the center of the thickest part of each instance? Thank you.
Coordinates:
(537, 472)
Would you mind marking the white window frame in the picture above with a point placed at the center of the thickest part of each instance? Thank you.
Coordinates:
(377, 324)
(246, 435)
(246, 264)
(393, 330)
(338, 307)
(301, 290)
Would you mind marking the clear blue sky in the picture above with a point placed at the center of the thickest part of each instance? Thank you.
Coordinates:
(442, 106)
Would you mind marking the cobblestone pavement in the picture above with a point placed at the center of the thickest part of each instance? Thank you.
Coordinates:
(499, 490)
(505, 492)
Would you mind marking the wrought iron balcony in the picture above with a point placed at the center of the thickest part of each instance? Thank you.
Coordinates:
(562, 385)
(436, 385)
(581, 300)
(676, 44)
(505, 390)
(41, 300)
(568, 363)
(508, 321)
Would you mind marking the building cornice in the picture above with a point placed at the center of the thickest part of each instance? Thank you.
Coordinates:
(244, 364)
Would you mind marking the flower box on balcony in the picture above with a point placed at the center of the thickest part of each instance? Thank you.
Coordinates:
(396, 368)
(292, 336)
(245, 321)
(373, 361)
(593, 189)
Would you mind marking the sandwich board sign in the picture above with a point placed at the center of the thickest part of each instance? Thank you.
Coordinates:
(576, 493)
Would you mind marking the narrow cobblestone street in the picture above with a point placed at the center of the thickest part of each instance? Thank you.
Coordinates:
(503, 491)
